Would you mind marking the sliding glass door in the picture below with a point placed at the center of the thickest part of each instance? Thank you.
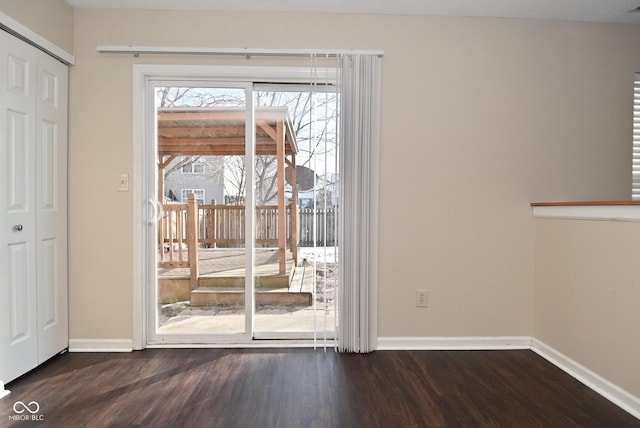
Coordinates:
(204, 139)
(306, 307)
(242, 191)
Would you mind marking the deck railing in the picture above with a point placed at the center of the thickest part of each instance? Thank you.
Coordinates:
(172, 235)
(218, 226)
(224, 225)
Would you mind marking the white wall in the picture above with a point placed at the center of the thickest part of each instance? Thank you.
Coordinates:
(479, 118)
(52, 19)
(586, 296)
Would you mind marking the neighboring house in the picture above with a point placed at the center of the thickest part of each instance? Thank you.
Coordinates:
(204, 177)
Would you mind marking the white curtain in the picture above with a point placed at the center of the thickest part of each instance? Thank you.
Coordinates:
(635, 163)
(359, 165)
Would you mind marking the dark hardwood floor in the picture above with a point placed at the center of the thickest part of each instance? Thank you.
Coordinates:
(306, 388)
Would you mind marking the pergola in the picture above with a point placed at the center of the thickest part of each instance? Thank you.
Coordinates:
(221, 132)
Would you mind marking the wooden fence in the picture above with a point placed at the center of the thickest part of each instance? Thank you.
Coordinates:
(325, 220)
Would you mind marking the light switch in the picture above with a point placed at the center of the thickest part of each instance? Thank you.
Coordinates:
(123, 183)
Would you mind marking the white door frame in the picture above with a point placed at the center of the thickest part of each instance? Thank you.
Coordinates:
(143, 74)
(150, 161)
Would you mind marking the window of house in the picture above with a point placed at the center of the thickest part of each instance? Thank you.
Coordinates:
(198, 192)
(193, 168)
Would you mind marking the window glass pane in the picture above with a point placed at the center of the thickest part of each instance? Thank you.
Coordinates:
(207, 302)
(307, 307)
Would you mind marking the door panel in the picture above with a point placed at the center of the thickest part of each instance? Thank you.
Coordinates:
(19, 66)
(307, 309)
(48, 312)
(51, 205)
(199, 164)
(49, 173)
(22, 314)
(19, 152)
(18, 329)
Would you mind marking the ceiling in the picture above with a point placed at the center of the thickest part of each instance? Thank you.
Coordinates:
(618, 11)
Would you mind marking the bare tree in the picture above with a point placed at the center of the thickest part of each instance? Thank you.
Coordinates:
(179, 164)
(235, 180)
(313, 117)
(198, 97)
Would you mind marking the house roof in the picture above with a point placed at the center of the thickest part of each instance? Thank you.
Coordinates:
(205, 131)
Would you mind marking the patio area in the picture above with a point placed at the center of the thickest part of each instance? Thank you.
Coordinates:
(317, 272)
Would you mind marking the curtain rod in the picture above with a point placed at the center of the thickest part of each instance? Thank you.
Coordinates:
(137, 50)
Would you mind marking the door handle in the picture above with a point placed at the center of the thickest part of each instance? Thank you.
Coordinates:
(154, 210)
(18, 227)
(158, 211)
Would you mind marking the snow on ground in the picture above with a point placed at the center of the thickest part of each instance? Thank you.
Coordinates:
(319, 254)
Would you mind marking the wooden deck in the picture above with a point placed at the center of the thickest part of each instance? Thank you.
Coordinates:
(222, 278)
(217, 262)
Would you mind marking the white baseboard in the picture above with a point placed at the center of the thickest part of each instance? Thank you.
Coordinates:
(100, 345)
(453, 343)
(3, 392)
(607, 389)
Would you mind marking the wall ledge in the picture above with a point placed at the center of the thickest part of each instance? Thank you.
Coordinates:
(608, 211)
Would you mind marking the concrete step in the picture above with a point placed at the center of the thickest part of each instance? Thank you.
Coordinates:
(266, 281)
(214, 296)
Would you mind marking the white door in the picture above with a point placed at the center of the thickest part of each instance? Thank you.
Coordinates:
(51, 205)
(17, 181)
(177, 107)
(33, 265)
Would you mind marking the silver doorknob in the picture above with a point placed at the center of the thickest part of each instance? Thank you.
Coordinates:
(18, 227)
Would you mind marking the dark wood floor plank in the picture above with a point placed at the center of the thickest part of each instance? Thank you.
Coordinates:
(305, 388)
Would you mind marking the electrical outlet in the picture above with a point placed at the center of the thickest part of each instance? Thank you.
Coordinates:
(422, 298)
